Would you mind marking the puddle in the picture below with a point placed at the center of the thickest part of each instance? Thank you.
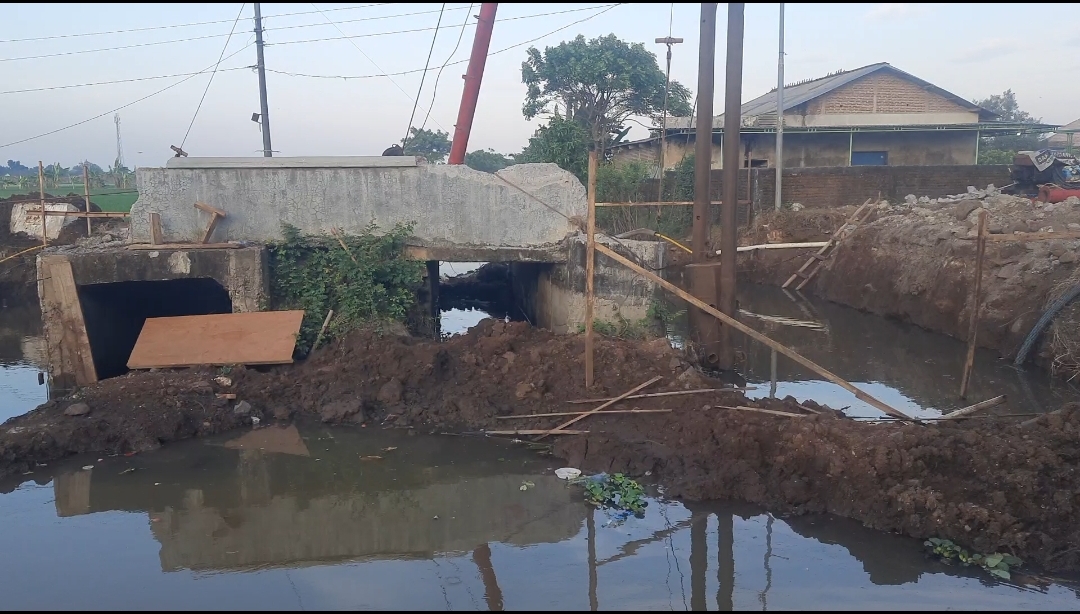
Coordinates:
(288, 517)
(912, 369)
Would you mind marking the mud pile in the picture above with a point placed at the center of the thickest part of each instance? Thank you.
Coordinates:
(992, 485)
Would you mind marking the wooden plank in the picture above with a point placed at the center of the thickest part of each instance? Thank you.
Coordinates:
(214, 219)
(976, 304)
(62, 302)
(590, 269)
(604, 406)
(821, 256)
(753, 334)
(41, 190)
(155, 229)
(760, 411)
(535, 432)
(665, 394)
(165, 246)
(209, 209)
(78, 214)
(970, 409)
(86, 194)
(675, 203)
(258, 338)
(578, 413)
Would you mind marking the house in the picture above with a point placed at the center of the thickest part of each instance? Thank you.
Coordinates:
(874, 115)
(1066, 137)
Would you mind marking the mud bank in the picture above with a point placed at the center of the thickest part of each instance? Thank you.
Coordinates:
(992, 484)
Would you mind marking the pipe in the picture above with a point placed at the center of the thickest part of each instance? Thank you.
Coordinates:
(703, 134)
(264, 107)
(729, 238)
(473, 76)
(1044, 321)
(780, 114)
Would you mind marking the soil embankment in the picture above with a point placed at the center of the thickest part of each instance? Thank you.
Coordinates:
(990, 487)
(916, 262)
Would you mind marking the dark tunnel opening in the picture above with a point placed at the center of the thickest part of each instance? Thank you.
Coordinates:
(115, 313)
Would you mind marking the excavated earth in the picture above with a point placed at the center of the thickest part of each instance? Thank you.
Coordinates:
(992, 485)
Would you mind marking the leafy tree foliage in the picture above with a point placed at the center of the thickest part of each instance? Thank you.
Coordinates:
(563, 142)
(432, 145)
(487, 161)
(1002, 149)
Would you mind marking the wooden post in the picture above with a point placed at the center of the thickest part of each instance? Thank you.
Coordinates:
(750, 332)
(41, 195)
(973, 323)
(600, 407)
(86, 192)
(590, 269)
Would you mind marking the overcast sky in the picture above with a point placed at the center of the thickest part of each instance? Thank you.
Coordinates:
(972, 52)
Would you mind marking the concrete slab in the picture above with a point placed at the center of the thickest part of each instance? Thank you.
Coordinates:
(299, 162)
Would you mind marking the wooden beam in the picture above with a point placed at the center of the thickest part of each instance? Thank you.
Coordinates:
(578, 413)
(185, 246)
(664, 394)
(543, 432)
(599, 407)
(78, 214)
(960, 413)
(976, 303)
(753, 334)
(216, 215)
(155, 229)
(86, 194)
(70, 352)
(761, 411)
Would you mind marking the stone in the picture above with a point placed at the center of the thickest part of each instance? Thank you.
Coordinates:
(1073, 201)
(1009, 271)
(1068, 257)
(924, 199)
(971, 189)
(674, 363)
(964, 208)
(910, 199)
(522, 390)
(391, 392)
(1057, 249)
(797, 206)
(1073, 226)
(77, 409)
(242, 408)
(338, 411)
(995, 228)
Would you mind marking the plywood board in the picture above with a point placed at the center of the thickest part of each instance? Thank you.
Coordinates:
(259, 338)
(69, 345)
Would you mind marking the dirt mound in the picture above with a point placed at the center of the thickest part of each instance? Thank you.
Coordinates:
(985, 485)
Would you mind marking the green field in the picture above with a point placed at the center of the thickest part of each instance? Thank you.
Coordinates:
(109, 199)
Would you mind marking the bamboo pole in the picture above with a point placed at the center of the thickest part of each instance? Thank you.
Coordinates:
(973, 323)
(590, 269)
(541, 432)
(960, 413)
(761, 411)
(599, 407)
(41, 194)
(664, 394)
(86, 194)
(322, 331)
(753, 334)
(578, 413)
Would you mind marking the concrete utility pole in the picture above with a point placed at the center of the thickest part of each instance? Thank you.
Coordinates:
(703, 133)
(780, 112)
(729, 232)
(473, 77)
(264, 108)
(669, 41)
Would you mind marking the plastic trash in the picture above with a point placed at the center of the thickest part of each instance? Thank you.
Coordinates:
(567, 473)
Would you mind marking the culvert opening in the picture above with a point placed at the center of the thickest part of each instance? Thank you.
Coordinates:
(486, 292)
(115, 313)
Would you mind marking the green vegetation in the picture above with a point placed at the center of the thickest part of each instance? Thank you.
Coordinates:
(615, 492)
(432, 145)
(316, 274)
(109, 199)
(1002, 149)
(657, 319)
(487, 161)
(997, 564)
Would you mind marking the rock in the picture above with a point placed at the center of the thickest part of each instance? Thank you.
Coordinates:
(391, 392)
(1017, 226)
(1068, 257)
(675, 363)
(202, 388)
(338, 411)
(223, 381)
(971, 189)
(1073, 201)
(1009, 271)
(522, 390)
(964, 208)
(77, 409)
(1073, 225)
(924, 199)
(995, 228)
(242, 408)
(1058, 249)
(797, 207)
(911, 199)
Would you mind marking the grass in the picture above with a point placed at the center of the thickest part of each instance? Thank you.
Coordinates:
(109, 199)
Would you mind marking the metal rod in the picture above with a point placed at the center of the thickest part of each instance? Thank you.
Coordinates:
(590, 270)
(703, 135)
(86, 193)
(729, 237)
(973, 323)
(41, 194)
(473, 77)
(669, 41)
(977, 139)
(780, 114)
(264, 107)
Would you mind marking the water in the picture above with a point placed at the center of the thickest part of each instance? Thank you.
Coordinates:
(438, 522)
(458, 320)
(22, 357)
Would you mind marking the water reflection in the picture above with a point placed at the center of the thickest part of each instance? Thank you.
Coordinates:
(22, 358)
(287, 517)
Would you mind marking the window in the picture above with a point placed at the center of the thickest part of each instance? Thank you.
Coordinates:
(869, 158)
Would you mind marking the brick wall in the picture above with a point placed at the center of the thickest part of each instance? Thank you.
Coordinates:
(851, 185)
(882, 93)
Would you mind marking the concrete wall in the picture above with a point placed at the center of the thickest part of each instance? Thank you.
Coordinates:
(450, 206)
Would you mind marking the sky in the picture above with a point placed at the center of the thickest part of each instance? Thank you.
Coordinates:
(971, 52)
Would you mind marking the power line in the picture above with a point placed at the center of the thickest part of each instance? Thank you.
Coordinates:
(423, 76)
(461, 34)
(81, 51)
(373, 18)
(211, 79)
(164, 89)
(132, 80)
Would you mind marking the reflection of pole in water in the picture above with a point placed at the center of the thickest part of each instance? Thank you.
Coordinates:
(725, 570)
(492, 593)
(763, 596)
(772, 374)
(699, 559)
(590, 523)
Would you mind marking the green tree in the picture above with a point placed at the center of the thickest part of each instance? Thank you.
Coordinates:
(487, 161)
(561, 141)
(433, 146)
(600, 84)
(1001, 149)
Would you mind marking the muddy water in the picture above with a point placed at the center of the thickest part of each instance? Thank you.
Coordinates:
(287, 517)
(22, 357)
(912, 369)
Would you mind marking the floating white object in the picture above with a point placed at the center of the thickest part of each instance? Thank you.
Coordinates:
(567, 473)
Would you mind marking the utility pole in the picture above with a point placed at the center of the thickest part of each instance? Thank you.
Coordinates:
(729, 232)
(669, 41)
(703, 132)
(780, 112)
(485, 22)
(264, 108)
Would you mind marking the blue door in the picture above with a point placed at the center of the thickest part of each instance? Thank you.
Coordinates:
(869, 158)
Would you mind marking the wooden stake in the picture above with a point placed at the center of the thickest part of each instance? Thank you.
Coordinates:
(322, 331)
(762, 411)
(664, 394)
(86, 193)
(41, 194)
(599, 407)
(960, 413)
(590, 270)
(973, 324)
(155, 229)
(540, 432)
(578, 413)
(753, 334)
(334, 232)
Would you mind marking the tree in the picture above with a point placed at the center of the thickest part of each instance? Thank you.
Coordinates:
(563, 142)
(600, 84)
(433, 146)
(487, 161)
(1002, 149)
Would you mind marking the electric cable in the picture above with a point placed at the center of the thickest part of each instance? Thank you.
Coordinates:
(435, 89)
(132, 46)
(423, 76)
(131, 80)
(372, 18)
(211, 79)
